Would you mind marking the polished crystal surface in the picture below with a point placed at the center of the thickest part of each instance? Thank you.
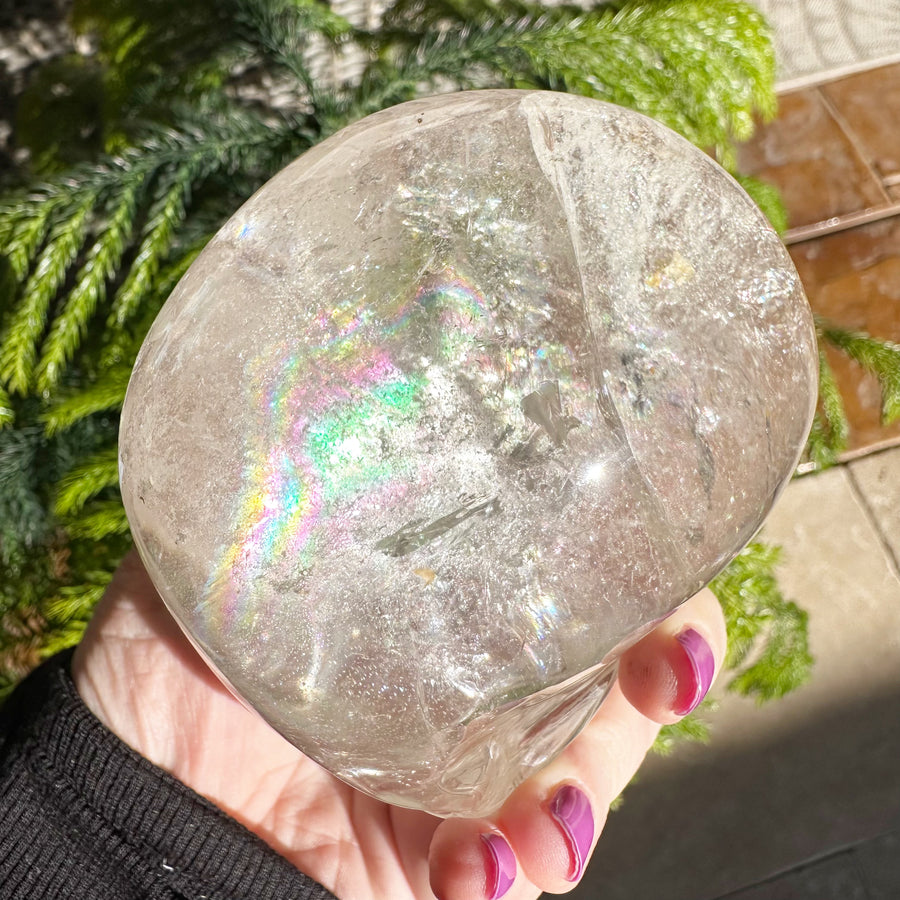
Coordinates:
(453, 410)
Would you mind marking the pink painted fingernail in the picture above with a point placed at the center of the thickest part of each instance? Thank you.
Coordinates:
(571, 809)
(500, 865)
(702, 666)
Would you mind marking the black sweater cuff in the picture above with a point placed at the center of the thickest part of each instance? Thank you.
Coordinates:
(84, 816)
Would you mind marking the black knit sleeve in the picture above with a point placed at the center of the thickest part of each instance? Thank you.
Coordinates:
(84, 817)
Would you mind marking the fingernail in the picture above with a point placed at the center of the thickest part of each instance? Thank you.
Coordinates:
(500, 867)
(571, 809)
(702, 668)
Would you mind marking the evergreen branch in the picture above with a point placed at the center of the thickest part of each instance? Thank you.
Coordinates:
(122, 348)
(23, 517)
(99, 520)
(468, 57)
(701, 67)
(674, 62)
(701, 37)
(283, 29)
(18, 348)
(213, 147)
(818, 448)
(767, 635)
(76, 602)
(24, 223)
(101, 266)
(830, 430)
(165, 217)
(767, 197)
(879, 358)
(178, 162)
(690, 728)
(785, 662)
(70, 634)
(106, 394)
(86, 480)
(23, 637)
(7, 415)
(31, 464)
(69, 610)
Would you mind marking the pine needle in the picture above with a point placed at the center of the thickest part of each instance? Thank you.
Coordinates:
(879, 358)
(99, 520)
(86, 480)
(7, 415)
(24, 222)
(166, 215)
(691, 728)
(108, 393)
(284, 29)
(830, 430)
(122, 347)
(703, 68)
(768, 648)
(768, 199)
(18, 347)
(101, 266)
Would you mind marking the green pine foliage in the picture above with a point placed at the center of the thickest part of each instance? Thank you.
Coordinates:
(830, 433)
(878, 358)
(51, 577)
(89, 242)
(693, 728)
(767, 198)
(107, 219)
(768, 650)
(768, 653)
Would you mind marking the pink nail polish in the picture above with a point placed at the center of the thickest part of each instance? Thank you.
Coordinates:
(500, 865)
(702, 668)
(571, 809)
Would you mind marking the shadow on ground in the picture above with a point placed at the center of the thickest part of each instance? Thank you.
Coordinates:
(707, 822)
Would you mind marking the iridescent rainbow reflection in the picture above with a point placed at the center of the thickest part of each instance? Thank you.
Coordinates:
(322, 405)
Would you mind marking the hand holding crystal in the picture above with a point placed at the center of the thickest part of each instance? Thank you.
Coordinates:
(139, 674)
(451, 413)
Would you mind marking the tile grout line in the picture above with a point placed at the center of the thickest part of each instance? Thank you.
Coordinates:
(863, 501)
(855, 143)
(843, 222)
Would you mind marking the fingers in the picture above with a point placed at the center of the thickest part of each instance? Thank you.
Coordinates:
(470, 859)
(543, 836)
(667, 674)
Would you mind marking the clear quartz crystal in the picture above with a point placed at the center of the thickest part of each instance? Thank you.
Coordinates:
(451, 412)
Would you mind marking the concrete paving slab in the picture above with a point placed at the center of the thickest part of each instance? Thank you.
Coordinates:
(877, 478)
(835, 878)
(879, 862)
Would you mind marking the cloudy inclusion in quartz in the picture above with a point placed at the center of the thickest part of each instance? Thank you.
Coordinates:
(453, 410)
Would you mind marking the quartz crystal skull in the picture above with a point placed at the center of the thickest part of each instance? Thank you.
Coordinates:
(452, 411)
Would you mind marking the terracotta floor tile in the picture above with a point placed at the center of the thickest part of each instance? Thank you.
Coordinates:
(853, 279)
(807, 156)
(869, 102)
